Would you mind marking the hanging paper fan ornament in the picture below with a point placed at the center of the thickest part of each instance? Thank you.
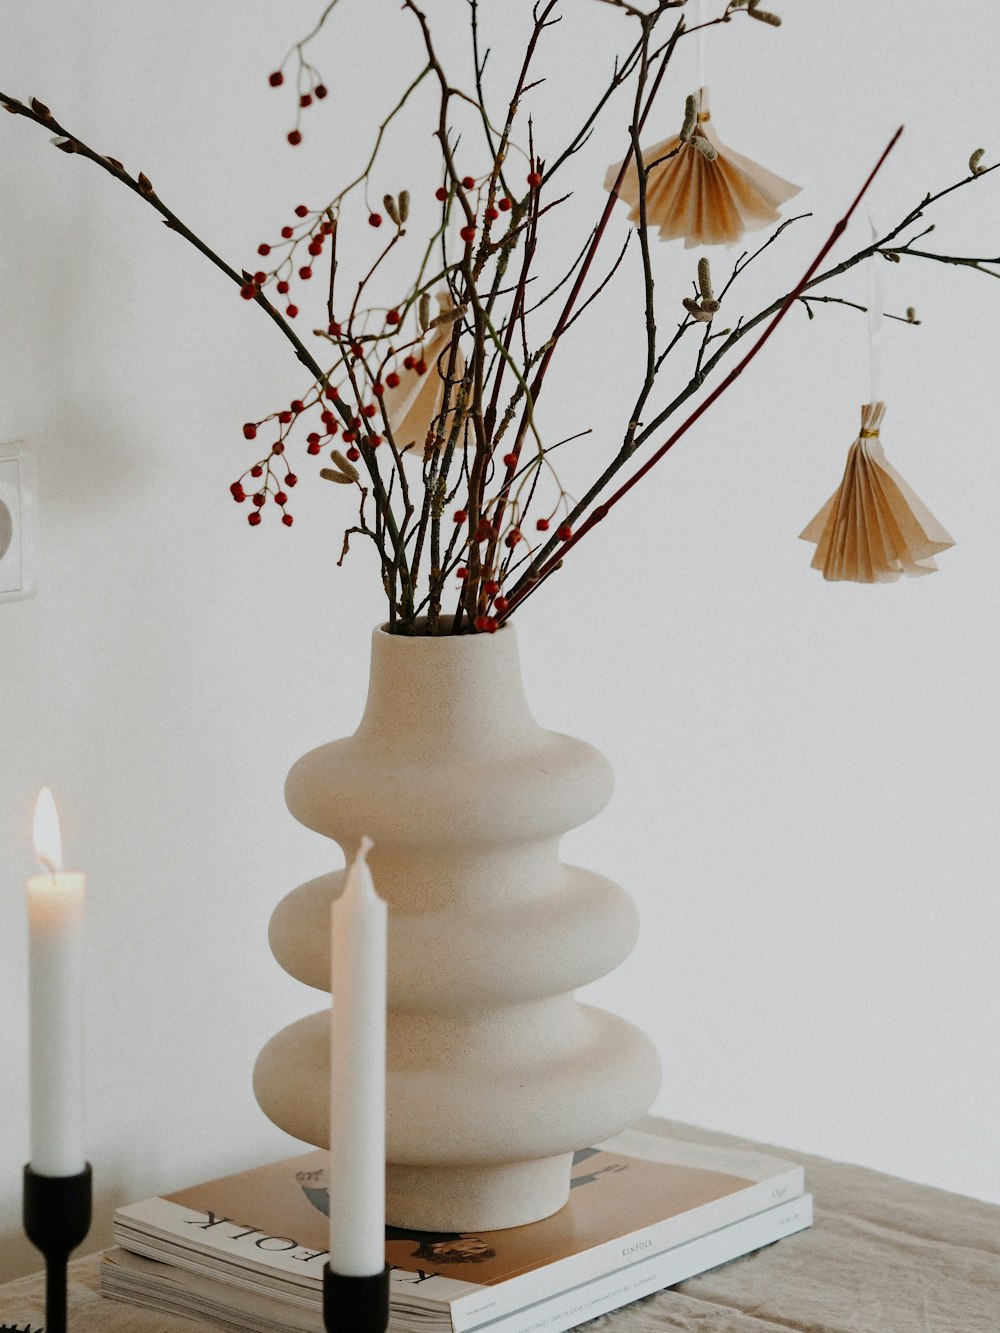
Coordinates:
(417, 400)
(698, 189)
(874, 529)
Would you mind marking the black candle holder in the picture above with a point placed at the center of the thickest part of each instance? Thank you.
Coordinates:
(355, 1304)
(56, 1216)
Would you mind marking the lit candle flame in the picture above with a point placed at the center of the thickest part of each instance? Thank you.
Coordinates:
(48, 841)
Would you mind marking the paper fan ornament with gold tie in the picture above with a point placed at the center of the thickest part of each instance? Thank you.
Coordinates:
(414, 405)
(699, 189)
(874, 529)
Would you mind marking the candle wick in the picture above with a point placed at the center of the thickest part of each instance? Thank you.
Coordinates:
(48, 865)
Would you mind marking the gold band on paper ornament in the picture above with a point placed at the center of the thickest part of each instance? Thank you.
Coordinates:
(700, 190)
(874, 529)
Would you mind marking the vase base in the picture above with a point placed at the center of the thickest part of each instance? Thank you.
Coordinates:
(476, 1198)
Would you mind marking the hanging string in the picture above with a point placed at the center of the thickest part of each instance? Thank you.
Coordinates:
(696, 15)
(876, 304)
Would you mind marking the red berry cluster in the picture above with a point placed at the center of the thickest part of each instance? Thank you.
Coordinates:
(311, 89)
(270, 484)
(563, 532)
(490, 214)
(354, 429)
(310, 231)
(264, 471)
(487, 530)
(312, 235)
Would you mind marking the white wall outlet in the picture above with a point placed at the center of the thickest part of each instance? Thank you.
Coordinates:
(18, 491)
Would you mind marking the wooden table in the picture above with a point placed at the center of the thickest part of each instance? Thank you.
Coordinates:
(884, 1256)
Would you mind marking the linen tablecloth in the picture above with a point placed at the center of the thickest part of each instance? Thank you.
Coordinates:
(883, 1256)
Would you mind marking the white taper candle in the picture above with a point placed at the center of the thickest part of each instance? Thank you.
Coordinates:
(55, 1003)
(357, 1074)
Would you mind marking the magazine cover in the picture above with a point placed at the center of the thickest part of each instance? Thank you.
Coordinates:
(274, 1218)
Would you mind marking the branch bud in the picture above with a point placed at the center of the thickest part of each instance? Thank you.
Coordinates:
(404, 205)
(696, 311)
(66, 145)
(344, 464)
(911, 315)
(690, 117)
(40, 109)
(974, 168)
(763, 16)
(328, 474)
(707, 150)
(144, 183)
(424, 311)
(448, 316)
(390, 208)
(705, 278)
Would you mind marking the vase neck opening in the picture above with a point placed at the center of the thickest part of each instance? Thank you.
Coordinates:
(446, 693)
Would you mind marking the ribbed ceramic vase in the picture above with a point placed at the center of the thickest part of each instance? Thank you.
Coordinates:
(496, 1074)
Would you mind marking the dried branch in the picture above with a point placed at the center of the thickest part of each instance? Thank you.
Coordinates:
(142, 186)
(839, 300)
(505, 347)
(528, 585)
(947, 259)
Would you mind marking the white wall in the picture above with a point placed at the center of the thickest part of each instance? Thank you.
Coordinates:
(807, 772)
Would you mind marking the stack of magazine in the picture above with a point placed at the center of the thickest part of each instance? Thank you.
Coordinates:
(645, 1212)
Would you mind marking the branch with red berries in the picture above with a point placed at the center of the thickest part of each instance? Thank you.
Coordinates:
(421, 392)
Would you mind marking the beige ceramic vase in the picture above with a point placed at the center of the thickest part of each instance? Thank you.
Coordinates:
(496, 1074)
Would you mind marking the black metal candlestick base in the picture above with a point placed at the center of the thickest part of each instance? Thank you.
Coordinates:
(355, 1304)
(56, 1216)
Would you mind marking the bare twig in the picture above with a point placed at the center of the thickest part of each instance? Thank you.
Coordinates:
(961, 260)
(839, 300)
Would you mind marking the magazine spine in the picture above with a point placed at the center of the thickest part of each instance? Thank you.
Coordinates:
(607, 1258)
(577, 1305)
